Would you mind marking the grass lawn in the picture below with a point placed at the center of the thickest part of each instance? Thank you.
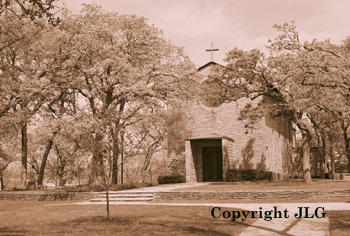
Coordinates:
(339, 222)
(51, 218)
(271, 185)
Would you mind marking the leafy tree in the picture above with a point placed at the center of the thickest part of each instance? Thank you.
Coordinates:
(71, 151)
(23, 89)
(177, 132)
(32, 9)
(122, 69)
(20, 21)
(28, 67)
(4, 162)
(294, 80)
(9, 153)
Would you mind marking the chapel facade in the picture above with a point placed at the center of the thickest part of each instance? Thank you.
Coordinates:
(218, 141)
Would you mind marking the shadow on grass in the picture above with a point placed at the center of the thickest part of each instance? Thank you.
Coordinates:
(10, 232)
(91, 220)
(200, 231)
(92, 225)
(170, 226)
(339, 222)
(283, 232)
(98, 225)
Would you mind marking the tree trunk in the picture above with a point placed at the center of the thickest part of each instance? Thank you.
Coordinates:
(146, 165)
(97, 161)
(306, 159)
(331, 154)
(322, 160)
(107, 202)
(24, 156)
(122, 159)
(348, 154)
(44, 160)
(346, 137)
(347, 147)
(1, 181)
(115, 157)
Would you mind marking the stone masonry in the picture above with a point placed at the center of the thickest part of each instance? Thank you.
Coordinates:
(267, 146)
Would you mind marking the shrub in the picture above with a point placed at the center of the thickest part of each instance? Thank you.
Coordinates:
(171, 179)
(86, 188)
(233, 175)
(267, 175)
(260, 174)
(274, 176)
(125, 186)
(249, 175)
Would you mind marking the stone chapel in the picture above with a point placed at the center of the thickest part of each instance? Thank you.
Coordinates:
(218, 141)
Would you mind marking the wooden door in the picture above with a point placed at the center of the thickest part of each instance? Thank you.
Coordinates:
(212, 164)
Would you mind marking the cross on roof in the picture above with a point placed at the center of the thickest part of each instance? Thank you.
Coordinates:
(212, 51)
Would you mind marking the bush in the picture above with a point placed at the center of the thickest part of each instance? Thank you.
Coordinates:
(125, 186)
(247, 175)
(267, 175)
(86, 188)
(171, 179)
(233, 175)
(274, 176)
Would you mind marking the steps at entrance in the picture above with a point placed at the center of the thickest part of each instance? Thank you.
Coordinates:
(124, 197)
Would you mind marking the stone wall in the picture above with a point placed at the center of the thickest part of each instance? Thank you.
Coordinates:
(254, 195)
(55, 195)
(268, 144)
(270, 139)
(193, 195)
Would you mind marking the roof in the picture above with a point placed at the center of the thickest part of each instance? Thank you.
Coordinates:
(209, 137)
(208, 64)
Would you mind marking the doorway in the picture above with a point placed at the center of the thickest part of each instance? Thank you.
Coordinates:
(212, 164)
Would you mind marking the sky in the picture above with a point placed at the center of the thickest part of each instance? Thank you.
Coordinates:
(245, 24)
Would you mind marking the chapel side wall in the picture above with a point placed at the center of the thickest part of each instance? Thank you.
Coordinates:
(246, 149)
(190, 164)
(265, 145)
(268, 145)
(227, 156)
(278, 147)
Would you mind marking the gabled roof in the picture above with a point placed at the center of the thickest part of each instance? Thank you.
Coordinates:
(209, 64)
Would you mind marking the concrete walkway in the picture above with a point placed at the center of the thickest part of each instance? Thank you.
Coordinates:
(160, 188)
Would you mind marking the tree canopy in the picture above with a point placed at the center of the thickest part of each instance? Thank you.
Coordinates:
(114, 75)
(304, 81)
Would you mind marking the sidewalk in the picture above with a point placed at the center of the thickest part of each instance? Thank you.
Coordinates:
(160, 188)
